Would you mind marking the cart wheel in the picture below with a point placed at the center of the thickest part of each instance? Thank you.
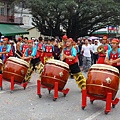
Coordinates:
(40, 95)
(106, 112)
(113, 106)
(11, 91)
(83, 108)
(91, 102)
(54, 99)
(64, 95)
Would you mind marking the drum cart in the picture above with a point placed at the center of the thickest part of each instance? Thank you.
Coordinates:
(108, 101)
(64, 91)
(12, 83)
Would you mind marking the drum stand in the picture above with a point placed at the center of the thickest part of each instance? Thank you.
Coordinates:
(108, 101)
(65, 91)
(12, 83)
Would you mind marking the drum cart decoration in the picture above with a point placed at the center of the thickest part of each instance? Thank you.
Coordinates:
(14, 71)
(54, 77)
(102, 84)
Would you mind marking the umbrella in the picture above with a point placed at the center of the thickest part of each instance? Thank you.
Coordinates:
(93, 38)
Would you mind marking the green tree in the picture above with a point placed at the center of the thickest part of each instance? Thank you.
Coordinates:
(77, 17)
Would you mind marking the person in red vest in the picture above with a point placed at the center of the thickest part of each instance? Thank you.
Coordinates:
(24, 46)
(113, 55)
(48, 51)
(40, 49)
(6, 50)
(32, 57)
(106, 47)
(70, 57)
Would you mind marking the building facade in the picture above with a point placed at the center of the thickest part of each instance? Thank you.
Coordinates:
(6, 11)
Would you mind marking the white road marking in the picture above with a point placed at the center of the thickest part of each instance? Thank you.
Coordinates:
(94, 115)
(4, 91)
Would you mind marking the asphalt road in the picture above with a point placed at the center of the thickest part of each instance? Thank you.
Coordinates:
(26, 105)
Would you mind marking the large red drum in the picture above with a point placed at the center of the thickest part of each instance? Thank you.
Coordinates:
(55, 71)
(101, 80)
(15, 67)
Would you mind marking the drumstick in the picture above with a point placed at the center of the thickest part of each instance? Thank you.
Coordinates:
(18, 55)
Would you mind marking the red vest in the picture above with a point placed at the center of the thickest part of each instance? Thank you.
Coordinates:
(24, 47)
(114, 57)
(48, 51)
(40, 45)
(68, 61)
(8, 54)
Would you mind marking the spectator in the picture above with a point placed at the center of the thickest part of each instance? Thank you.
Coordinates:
(86, 50)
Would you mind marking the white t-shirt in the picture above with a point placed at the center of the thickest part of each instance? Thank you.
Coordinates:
(86, 50)
(94, 48)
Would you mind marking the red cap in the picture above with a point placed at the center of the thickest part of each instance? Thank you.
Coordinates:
(105, 37)
(115, 40)
(19, 38)
(70, 39)
(6, 39)
(65, 37)
(30, 41)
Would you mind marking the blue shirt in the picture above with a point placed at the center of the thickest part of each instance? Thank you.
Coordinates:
(34, 51)
(8, 48)
(109, 51)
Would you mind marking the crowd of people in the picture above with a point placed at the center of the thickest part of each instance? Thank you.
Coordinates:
(79, 55)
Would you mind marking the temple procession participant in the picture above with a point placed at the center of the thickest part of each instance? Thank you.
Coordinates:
(6, 50)
(113, 55)
(32, 56)
(24, 46)
(106, 47)
(48, 50)
(40, 49)
(70, 57)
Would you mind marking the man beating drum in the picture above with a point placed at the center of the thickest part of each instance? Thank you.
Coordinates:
(31, 56)
(6, 50)
(70, 57)
(113, 55)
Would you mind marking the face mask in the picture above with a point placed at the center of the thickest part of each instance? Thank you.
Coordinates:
(36, 42)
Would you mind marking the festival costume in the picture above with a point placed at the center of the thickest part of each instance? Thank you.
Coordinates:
(48, 52)
(34, 63)
(9, 53)
(75, 70)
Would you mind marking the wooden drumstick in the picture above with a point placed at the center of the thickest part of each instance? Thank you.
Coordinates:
(18, 55)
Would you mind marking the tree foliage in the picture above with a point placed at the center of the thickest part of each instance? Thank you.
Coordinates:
(77, 17)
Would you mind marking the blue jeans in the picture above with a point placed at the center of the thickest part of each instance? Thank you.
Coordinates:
(86, 63)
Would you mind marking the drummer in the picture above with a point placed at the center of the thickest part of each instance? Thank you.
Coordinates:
(6, 50)
(18, 48)
(24, 46)
(106, 46)
(113, 55)
(32, 57)
(48, 50)
(70, 57)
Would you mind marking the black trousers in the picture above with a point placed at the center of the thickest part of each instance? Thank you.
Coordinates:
(95, 58)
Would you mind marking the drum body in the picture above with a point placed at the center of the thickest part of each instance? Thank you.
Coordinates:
(101, 80)
(55, 71)
(15, 67)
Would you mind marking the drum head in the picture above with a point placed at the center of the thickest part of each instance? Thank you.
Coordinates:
(58, 62)
(105, 67)
(18, 60)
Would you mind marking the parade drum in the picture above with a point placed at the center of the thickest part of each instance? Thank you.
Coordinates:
(101, 80)
(55, 71)
(15, 67)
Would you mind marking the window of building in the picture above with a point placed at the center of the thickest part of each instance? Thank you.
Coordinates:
(2, 11)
